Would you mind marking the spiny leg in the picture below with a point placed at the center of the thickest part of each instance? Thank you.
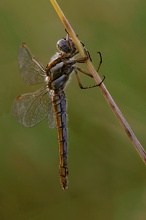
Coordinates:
(85, 58)
(100, 62)
(88, 74)
(86, 51)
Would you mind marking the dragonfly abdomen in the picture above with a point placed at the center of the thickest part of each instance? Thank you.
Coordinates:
(59, 103)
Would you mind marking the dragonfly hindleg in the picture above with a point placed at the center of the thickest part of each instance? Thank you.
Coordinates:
(76, 69)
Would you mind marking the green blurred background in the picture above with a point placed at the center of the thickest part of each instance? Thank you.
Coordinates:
(107, 178)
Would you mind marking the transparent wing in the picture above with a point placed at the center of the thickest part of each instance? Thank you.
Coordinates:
(31, 70)
(32, 108)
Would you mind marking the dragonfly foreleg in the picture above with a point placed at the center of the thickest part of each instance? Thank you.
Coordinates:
(86, 51)
(88, 74)
(81, 59)
(100, 62)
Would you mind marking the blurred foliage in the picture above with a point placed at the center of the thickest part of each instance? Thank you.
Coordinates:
(107, 178)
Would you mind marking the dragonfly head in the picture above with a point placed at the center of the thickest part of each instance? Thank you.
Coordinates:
(66, 45)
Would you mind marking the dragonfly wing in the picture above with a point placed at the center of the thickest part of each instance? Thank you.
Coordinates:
(31, 70)
(32, 108)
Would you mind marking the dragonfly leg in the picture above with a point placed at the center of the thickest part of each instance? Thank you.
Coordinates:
(100, 62)
(87, 56)
(88, 74)
(81, 59)
(86, 51)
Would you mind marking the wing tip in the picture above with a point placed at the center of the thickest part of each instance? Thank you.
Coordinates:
(23, 44)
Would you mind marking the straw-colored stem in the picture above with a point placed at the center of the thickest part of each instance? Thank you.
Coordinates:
(102, 87)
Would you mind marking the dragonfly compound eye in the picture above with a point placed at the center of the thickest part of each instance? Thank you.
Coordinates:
(66, 46)
(63, 46)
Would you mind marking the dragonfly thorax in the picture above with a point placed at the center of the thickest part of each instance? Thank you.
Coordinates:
(59, 75)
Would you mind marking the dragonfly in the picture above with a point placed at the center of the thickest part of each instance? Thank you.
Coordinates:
(50, 100)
